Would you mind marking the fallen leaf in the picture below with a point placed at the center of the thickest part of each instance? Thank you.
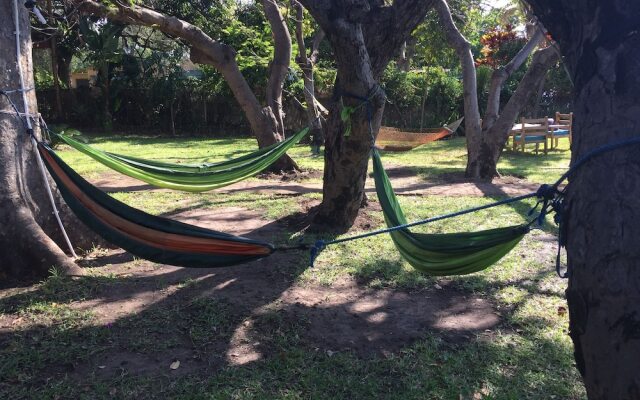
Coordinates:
(102, 366)
(562, 311)
(437, 286)
(175, 364)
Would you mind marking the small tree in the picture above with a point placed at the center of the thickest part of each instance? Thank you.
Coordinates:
(486, 140)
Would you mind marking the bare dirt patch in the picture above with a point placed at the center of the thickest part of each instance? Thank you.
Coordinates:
(403, 179)
(261, 308)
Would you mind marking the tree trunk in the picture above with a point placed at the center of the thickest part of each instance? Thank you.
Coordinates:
(364, 36)
(279, 66)
(473, 130)
(601, 46)
(485, 142)
(306, 64)
(30, 237)
(494, 137)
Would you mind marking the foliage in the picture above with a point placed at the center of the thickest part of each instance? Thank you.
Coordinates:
(439, 89)
(499, 46)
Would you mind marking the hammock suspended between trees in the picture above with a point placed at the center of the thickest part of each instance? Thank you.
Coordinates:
(394, 139)
(147, 236)
(189, 177)
(447, 253)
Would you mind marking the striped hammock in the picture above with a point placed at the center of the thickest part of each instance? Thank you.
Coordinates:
(144, 235)
(189, 177)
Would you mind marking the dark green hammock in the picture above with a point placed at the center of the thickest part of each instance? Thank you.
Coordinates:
(147, 236)
(189, 177)
(447, 253)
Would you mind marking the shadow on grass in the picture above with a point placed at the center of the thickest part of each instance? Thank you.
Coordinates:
(245, 329)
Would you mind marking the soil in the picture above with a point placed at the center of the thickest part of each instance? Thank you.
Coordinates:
(404, 182)
(342, 318)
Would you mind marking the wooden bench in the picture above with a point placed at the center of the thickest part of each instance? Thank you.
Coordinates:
(531, 131)
(562, 127)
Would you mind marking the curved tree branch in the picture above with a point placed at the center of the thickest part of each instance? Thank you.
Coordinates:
(204, 50)
(500, 76)
(279, 66)
(469, 81)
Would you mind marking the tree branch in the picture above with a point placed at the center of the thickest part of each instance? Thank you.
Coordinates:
(204, 50)
(500, 76)
(543, 59)
(469, 81)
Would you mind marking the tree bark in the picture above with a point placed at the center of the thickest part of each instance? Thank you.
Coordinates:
(30, 237)
(364, 36)
(473, 129)
(495, 136)
(279, 66)
(306, 64)
(601, 46)
(204, 50)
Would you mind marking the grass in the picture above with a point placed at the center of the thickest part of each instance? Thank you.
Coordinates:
(58, 337)
(429, 161)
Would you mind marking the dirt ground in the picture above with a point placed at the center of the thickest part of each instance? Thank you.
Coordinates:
(343, 317)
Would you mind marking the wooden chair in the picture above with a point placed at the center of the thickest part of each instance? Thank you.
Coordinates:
(562, 128)
(532, 131)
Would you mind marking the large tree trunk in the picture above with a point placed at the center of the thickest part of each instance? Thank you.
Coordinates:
(204, 50)
(30, 237)
(364, 36)
(601, 46)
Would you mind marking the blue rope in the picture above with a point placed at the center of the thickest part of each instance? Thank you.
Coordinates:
(550, 197)
(320, 244)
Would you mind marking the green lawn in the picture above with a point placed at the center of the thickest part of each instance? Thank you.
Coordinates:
(57, 337)
(429, 161)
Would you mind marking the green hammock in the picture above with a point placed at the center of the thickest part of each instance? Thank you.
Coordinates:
(148, 236)
(442, 254)
(189, 177)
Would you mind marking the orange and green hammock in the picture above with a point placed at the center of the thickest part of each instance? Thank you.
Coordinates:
(147, 236)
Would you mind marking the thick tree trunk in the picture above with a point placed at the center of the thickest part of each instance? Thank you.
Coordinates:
(364, 36)
(601, 46)
(30, 237)
(347, 157)
(204, 50)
